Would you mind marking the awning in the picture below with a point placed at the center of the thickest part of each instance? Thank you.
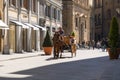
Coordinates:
(20, 24)
(34, 28)
(3, 25)
(44, 29)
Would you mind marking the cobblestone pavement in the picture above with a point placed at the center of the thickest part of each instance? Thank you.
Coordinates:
(87, 65)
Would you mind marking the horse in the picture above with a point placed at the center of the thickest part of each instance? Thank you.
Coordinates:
(58, 45)
(73, 46)
(70, 43)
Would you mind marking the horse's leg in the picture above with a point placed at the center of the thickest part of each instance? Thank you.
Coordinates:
(71, 50)
(57, 55)
(75, 53)
(75, 50)
(61, 51)
(61, 54)
(55, 52)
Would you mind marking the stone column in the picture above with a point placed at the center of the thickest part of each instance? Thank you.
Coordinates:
(51, 9)
(29, 32)
(5, 40)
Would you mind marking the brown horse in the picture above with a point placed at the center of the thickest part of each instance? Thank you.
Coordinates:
(71, 42)
(57, 44)
(60, 42)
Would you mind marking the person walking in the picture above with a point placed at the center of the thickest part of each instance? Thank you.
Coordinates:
(103, 45)
(93, 44)
(98, 45)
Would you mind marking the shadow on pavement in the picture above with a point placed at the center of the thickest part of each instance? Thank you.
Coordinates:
(88, 69)
(52, 58)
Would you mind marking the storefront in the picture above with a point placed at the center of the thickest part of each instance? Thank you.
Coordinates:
(41, 35)
(3, 28)
(32, 38)
(17, 36)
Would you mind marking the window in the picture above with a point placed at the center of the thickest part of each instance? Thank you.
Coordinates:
(13, 3)
(41, 9)
(99, 19)
(99, 3)
(95, 19)
(54, 13)
(76, 22)
(95, 3)
(58, 15)
(33, 5)
(109, 13)
(118, 1)
(24, 4)
(47, 11)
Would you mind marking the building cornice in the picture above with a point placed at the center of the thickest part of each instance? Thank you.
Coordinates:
(55, 3)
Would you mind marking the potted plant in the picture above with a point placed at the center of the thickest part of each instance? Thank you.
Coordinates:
(47, 44)
(113, 39)
(73, 34)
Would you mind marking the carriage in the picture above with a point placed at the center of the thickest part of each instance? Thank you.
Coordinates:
(62, 43)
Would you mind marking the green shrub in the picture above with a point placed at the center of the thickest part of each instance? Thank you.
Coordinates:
(113, 34)
(47, 40)
(73, 34)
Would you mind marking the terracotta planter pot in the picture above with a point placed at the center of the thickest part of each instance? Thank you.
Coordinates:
(48, 50)
(113, 55)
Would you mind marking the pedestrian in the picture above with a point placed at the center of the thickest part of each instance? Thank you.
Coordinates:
(98, 45)
(93, 44)
(103, 45)
(88, 44)
(83, 44)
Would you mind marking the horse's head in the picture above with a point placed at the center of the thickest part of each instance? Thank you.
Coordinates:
(56, 35)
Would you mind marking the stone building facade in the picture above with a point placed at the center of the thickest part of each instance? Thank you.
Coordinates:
(3, 26)
(97, 19)
(50, 16)
(23, 35)
(103, 11)
(110, 8)
(76, 18)
(1, 18)
(28, 21)
(53, 15)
